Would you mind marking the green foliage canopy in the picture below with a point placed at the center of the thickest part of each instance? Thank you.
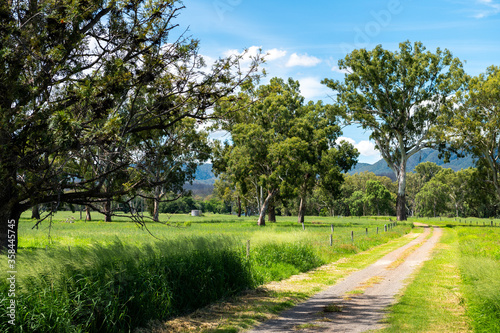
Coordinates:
(84, 84)
(398, 96)
(281, 145)
(475, 126)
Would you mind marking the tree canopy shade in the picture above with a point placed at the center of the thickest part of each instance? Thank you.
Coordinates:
(475, 126)
(84, 85)
(398, 96)
(282, 146)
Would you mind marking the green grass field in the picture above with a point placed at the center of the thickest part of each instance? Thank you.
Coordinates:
(77, 276)
(80, 233)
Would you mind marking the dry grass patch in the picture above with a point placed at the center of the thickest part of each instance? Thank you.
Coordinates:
(402, 258)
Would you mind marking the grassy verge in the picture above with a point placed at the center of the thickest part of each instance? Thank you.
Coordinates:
(433, 301)
(480, 268)
(243, 312)
(68, 230)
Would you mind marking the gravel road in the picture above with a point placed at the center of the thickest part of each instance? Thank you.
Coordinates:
(357, 303)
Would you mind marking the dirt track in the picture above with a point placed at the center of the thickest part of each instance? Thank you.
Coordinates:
(357, 303)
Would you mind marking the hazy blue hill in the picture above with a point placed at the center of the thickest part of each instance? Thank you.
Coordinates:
(425, 155)
(204, 174)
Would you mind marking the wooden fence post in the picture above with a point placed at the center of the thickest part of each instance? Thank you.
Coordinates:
(352, 236)
(331, 240)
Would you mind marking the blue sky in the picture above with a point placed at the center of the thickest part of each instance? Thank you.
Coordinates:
(305, 40)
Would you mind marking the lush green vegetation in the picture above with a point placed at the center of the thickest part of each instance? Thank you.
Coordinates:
(103, 109)
(480, 268)
(112, 276)
(458, 290)
(246, 310)
(402, 105)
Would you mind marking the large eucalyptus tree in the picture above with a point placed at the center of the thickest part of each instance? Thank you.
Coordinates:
(398, 96)
(282, 146)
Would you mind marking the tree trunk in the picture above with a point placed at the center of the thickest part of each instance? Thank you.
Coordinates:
(239, 206)
(107, 211)
(87, 214)
(302, 210)
(400, 208)
(271, 212)
(401, 199)
(35, 213)
(156, 210)
(263, 209)
(9, 221)
(303, 195)
(10, 212)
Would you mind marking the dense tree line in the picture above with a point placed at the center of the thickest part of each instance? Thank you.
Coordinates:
(281, 146)
(432, 191)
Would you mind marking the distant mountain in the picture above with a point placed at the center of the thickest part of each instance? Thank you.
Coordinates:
(380, 168)
(204, 174)
(203, 183)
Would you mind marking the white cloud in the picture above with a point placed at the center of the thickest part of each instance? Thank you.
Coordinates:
(253, 51)
(274, 54)
(488, 8)
(302, 60)
(311, 88)
(367, 148)
(247, 54)
(367, 151)
(343, 138)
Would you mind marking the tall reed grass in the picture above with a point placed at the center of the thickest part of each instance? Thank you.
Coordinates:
(117, 287)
